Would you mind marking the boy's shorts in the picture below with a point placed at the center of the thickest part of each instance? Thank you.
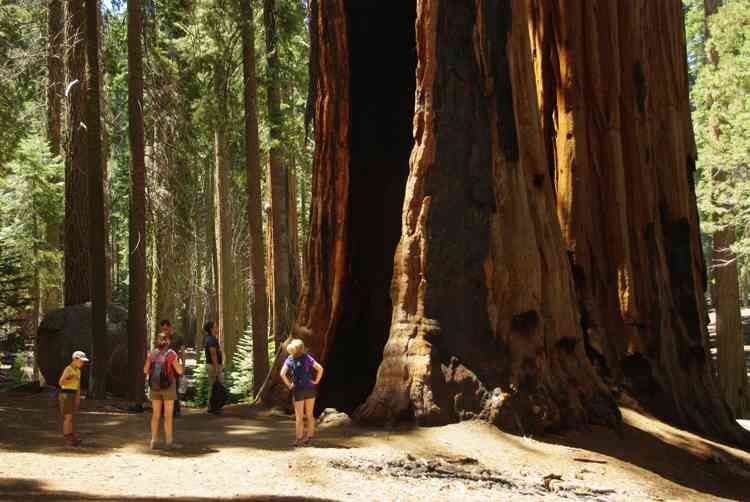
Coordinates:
(67, 403)
(168, 394)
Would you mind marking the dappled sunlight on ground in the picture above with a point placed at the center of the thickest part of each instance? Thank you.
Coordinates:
(248, 454)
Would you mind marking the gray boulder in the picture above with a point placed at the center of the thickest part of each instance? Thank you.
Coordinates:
(332, 418)
(68, 329)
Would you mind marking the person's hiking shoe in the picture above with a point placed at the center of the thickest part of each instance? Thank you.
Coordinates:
(297, 443)
(172, 446)
(152, 444)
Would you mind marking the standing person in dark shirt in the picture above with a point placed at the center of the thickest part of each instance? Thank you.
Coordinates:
(177, 344)
(214, 362)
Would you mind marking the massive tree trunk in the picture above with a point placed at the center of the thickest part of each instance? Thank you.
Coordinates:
(500, 222)
(137, 213)
(725, 292)
(258, 298)
(223, 219)
(77, 282)
(96, 206)
(283, 289)
(614, 107)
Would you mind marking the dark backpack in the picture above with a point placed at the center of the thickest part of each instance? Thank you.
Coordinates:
(302, 369)
(159, 376)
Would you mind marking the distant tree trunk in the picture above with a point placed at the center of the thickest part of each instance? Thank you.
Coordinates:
(283, 302)
(55, 73)
(293, 224)
(725, 292)
(165, 253)
(258, 298)
(36, 305)
(269, 266)
(137, 214)
(51, 298)
(304, 230)
(77, 257)
(223, 222)
(490, 312)
(96, 200)
(105, 156)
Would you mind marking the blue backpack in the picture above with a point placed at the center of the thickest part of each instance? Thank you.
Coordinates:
(302, 368)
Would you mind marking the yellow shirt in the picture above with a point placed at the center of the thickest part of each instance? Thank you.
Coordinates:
(73, 384)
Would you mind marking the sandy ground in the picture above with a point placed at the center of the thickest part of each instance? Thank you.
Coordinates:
(246, 455)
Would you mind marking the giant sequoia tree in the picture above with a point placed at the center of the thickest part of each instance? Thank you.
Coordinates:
(506, 226)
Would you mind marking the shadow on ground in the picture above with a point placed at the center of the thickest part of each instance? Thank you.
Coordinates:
(31, 423)
(32, 490)
(672, 454)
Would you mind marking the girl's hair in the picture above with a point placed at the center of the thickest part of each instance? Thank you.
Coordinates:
(295, 347)
(208, 327)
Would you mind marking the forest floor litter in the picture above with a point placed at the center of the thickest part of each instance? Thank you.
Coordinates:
(247, 455)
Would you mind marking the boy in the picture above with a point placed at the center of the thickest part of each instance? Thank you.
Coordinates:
(70, 395)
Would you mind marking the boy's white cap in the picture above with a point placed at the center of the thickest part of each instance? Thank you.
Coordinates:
(80, 355)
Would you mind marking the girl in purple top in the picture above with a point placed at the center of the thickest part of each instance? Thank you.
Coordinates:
(306, 373)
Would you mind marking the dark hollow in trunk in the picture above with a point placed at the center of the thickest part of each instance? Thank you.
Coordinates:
(381, 98)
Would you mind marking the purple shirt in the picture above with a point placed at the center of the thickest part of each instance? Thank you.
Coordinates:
(302, 369)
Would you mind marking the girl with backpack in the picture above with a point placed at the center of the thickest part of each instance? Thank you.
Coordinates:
(162, 366)
(306, 373)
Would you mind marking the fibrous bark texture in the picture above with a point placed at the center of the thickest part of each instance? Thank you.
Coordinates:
(137, 213)
(77, 284)
(614, 103)
(97, 234)
(226, 314)
(547, 225)
(51, 297)
(483, 319)
(283, 288)
(258, 298)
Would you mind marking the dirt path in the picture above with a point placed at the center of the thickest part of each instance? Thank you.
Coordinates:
(248, 456)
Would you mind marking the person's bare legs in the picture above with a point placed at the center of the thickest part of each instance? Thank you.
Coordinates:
(309, 406)
(299, 417)
(155, 416)
(67, 425)
(168, 420)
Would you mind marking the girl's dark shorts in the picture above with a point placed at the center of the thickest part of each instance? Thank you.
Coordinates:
(302, 394)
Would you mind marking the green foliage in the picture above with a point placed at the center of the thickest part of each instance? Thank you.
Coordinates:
(695, 36)
(242, 384)
(31, 200)
(183, 44)
(721, 100)
(16, 376)
(22, 62)
(14, 285)
(200, 382)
